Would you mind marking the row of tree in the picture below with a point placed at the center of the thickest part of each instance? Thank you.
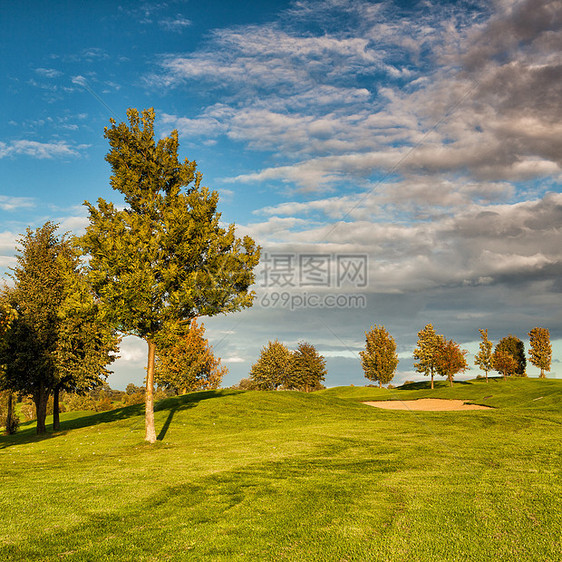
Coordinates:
(436, 355)
(152, 267)
(279, 368)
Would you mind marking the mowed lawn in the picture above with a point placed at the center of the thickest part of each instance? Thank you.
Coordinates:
(293, 476)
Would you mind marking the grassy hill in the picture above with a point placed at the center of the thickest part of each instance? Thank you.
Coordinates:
(290, 476)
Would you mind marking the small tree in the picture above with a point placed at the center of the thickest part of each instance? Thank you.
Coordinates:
(165, 258)
(427, 350)
(504, 363)
(515, 347)
(540, 352)
(379, 359)
(188, 363)
(484, 356)
(273, 368)
(450, 360)
(308, 368)
(7, 317)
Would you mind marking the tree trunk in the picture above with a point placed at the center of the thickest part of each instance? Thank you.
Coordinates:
(432, 379)
(451, 381)
(40, 399)
(10, 415)
(56, 409)
(486, 375)
(542, 375)
(150, 435)
(380, 384)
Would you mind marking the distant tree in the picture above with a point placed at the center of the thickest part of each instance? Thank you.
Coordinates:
(540, 353)
(427, 350)
(308, 368)
(165, 258)
(273, 368)
(515, 347)
(379, 359)
(504, 363)
(188, 363)
(450, 359)
(484, 357)
(57, 340)
(134, 389)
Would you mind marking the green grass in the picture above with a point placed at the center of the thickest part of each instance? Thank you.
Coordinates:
(289, 476)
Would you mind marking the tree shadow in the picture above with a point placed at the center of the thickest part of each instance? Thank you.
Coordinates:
(173, 404)
(167, 423)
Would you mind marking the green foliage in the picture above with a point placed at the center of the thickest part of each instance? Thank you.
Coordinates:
(187, 363)
(308, 368)
(515, 347)
(379, 360)
(165, 258)
(484, 356)
(273, 367)
(540, 352)
(427, 351)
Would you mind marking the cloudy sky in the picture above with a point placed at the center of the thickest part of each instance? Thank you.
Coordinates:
(399, 162)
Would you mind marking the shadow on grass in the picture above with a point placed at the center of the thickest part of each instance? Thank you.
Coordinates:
(173, 404)
(426, 385)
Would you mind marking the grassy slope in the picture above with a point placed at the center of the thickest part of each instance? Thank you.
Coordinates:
(288, 476)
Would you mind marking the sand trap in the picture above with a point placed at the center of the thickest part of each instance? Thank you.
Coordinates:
(427, 405)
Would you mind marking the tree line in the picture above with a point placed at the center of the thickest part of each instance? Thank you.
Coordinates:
(150, 268)
(436, 355)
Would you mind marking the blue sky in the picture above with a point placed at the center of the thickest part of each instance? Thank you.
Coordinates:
(417, 142)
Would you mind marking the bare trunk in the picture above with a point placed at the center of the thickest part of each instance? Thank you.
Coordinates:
(10, 425)
(40, 399)
(380, 384)
(451, 381)
(486, 375)
(150, 435)
(542, 375)
(56, 409)
(432, 379)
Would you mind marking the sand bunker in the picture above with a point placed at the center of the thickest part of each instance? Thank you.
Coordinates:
(427, 405)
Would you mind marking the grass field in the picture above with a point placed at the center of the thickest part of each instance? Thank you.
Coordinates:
(292, 476)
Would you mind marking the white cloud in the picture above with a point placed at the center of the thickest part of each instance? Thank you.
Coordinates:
(8, 203)
(177, 23)
(40, 150)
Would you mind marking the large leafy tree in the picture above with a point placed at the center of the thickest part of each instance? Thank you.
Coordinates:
(484, 356)
(450, 359)
(308, 368)
(515, 347)
(47, 346)
(427, 351)
(188, 362)
(379, 359)
(540, 352)
(164, 258)
(273, 368)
